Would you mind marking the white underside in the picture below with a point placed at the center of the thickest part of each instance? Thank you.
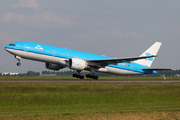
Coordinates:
(62, 61)
(118, 71)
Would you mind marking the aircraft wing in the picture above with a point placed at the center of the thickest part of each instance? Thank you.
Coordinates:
(102, 62)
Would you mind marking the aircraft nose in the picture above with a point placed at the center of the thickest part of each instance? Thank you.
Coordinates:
(6, 48)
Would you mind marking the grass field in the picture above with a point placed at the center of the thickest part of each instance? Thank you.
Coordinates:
(89, 100)
(100, 78)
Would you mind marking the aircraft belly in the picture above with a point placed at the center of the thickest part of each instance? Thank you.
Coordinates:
(119, 71)
(104, 70)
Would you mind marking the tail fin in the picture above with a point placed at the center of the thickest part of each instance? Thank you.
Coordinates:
(151, 51)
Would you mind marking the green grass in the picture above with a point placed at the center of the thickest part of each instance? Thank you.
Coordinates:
(67, 98)
(100, 78)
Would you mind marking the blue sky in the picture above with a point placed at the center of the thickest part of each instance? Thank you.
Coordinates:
(112, 28)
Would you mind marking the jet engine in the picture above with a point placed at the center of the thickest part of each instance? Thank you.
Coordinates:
(52, 66)
(77, 64)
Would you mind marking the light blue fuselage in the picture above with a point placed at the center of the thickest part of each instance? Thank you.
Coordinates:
(57, 55)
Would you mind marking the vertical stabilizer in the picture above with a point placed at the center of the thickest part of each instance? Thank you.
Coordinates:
(153, 50)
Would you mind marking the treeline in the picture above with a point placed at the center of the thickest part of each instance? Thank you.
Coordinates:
(29, 73)
(69, 73)
(33, 73)
(171, 73)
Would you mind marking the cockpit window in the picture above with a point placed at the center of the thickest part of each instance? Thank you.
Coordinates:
(12, 44)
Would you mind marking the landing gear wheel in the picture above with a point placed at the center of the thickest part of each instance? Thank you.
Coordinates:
(81, 77)
(95, 77)
(78, 76)
(74, 75)
(18, 64)
(88, 75)
(92, 76)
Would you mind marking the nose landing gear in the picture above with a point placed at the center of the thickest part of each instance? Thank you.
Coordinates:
(18, 64)
(18, 58)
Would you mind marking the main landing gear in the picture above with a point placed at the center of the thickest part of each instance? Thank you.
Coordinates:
(92, 76)
(78, 76)
(19, 59)
(87, 76)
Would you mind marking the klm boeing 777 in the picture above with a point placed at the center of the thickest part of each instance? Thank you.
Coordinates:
(56, 58)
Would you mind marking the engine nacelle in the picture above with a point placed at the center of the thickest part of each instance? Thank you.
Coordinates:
(77, 64)
(52, 66)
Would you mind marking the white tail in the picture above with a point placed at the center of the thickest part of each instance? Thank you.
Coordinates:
(151, 51)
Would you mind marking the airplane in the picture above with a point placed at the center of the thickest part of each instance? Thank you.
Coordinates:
(56, 58)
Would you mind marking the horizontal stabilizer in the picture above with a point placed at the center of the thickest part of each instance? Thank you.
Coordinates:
(156, 69)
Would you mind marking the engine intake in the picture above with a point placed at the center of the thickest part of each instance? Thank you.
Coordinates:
(77, 64)
(52, 66)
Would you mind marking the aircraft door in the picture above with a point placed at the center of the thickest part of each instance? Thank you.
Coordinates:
(54, 53)
(26, 48)
(132, 67)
